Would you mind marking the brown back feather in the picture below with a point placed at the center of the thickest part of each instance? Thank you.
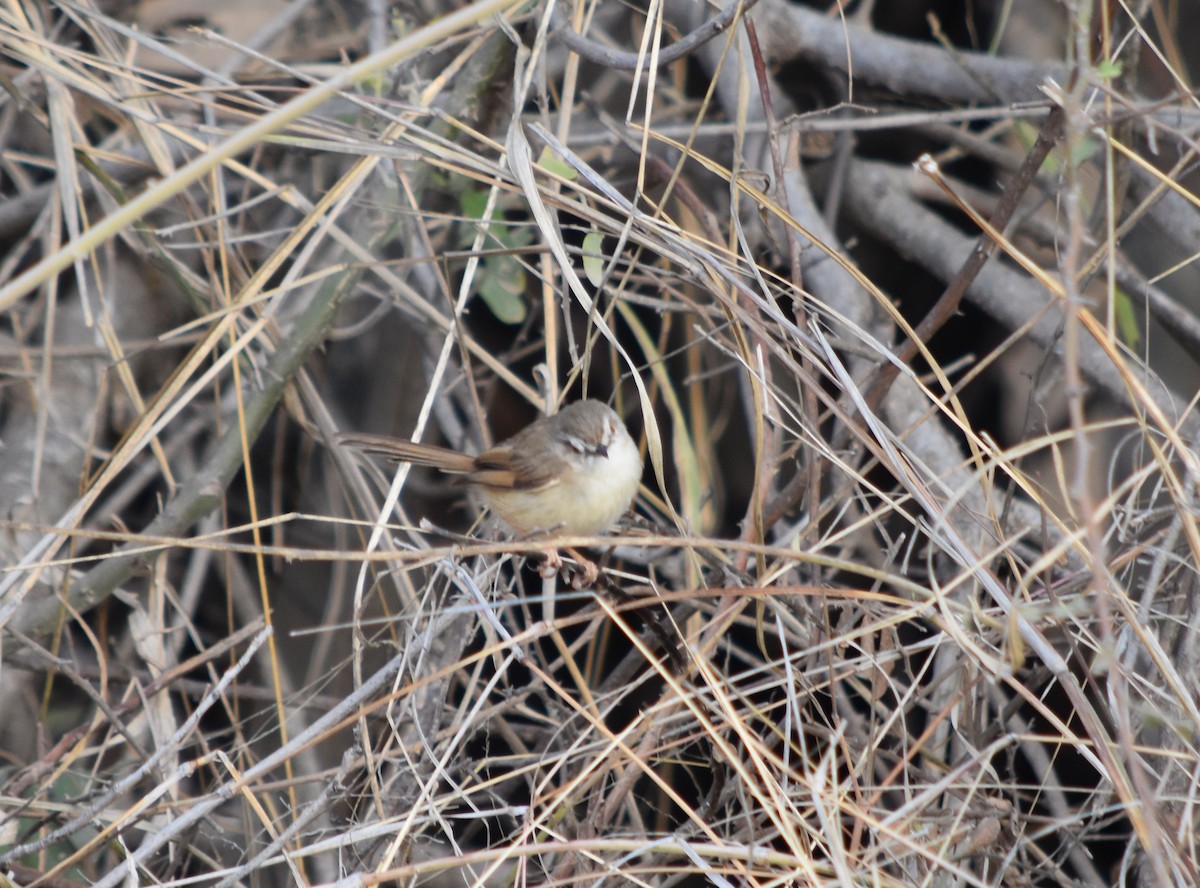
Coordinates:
(399, 450)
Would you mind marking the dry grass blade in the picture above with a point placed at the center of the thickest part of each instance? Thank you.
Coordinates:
(907, 597)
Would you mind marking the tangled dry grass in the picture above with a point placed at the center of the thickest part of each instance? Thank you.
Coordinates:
(904, 325)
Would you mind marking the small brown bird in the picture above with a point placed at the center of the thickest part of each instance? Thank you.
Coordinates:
(570, 474)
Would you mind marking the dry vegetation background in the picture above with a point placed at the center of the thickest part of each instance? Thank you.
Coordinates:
(910, 596)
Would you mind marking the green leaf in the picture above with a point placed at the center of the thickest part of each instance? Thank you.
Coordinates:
(1127, 320)
(474, 203)
(502, 288)
(1025, 132)
(593, 259)
(515, 236)
(1085, 149)
(552, 163)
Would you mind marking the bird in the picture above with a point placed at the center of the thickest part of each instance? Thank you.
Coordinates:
(573, 473)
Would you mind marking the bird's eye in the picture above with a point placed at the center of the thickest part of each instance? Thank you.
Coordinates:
(584, 448)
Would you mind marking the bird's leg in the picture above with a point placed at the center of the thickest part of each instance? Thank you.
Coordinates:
(550, 564)
(588, 573)
(583, 576)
